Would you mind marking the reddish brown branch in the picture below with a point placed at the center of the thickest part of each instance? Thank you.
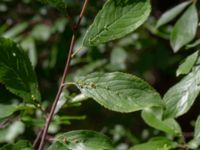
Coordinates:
(53, 107)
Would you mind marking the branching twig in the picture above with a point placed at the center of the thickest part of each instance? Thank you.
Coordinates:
(53, 107)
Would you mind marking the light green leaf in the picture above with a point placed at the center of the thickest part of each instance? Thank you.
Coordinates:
(41, 32)
(187, 65)
(82, 140)
(10, 133)
(16, 72)
(119, 91)
(116, 19)
(153, 117)
(179, 98)
(59, 4)
(7, 110)
(171, 14)
(15, 31)
(185, 28)
(158, 144)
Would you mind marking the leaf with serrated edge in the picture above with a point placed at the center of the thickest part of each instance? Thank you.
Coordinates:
(179, 98)
(116, 19)
(185, 28)
(172, 13)
(119, 91)
(84, 140)
(16, 72)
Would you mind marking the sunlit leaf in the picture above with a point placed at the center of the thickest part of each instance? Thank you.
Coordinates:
(171, 14)
(185, 28)
(119, 91)
(187, 65)
(117, 19)
(180, 97)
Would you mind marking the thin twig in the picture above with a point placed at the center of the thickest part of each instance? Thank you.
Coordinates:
(53, 107)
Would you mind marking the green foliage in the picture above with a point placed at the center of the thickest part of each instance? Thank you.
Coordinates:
(116, 19)
(185, 28)
(119, 91)
(171, 14)
(86, 140)
(16, 72)
(7, 110)
(194, 143)
(153, 117)
(59, 4)
(180, 97)
(188, 63)
(42, 35)
(155, 144)
(20, 145)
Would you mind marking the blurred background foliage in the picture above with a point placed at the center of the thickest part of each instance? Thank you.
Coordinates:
(45, 34)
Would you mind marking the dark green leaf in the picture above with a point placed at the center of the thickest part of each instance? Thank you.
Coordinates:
(119, 91)
(7, 110)
(153, 117)
(185, 28)
(116, 19)
(187, 65)
(171, 14)
(16, 72)
(82, 139)
(158, 144)
(20, 145)
(180, 97)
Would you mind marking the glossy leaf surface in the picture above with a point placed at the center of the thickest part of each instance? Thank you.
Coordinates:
(116, 19)
(119, 91)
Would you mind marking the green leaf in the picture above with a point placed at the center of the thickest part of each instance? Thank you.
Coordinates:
(179, 98)
(171, 14)
(20, 145)
(153, 117)
(185, 28)
(187, 65)
(197, 129)
(16, 72)
(116, 19)
(59, 4)
(158, 144)
(194, 143)
(194, 44)
(82, 139)
(7, 110)
(119, 91)
(16, 30)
